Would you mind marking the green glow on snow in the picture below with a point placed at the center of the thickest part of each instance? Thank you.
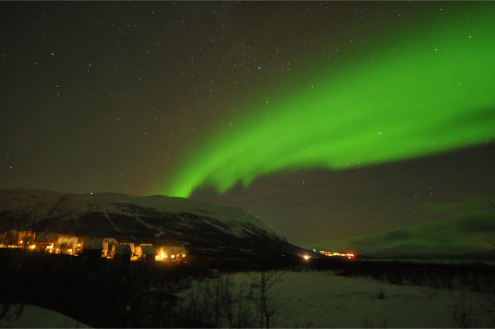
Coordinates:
(431, 94)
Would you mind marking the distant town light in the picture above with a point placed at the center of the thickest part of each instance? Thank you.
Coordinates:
(306, 257)
(332, 253)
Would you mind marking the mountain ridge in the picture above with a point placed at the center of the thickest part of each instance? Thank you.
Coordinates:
(203, 228)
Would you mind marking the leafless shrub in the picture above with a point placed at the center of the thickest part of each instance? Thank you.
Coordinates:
(268, 300)
(216, 302)
(463, 314)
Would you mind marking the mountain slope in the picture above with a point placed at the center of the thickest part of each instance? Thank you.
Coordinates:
(202, 228)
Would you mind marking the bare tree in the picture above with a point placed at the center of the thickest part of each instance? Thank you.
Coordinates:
(463, 314)
(213, 295)
(227, 300)
(269, 303)
(3, 238)
(11, 237)
(63, 247)
(242, 312)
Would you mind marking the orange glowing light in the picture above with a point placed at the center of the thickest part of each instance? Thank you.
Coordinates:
(332, 253)
(306, 257)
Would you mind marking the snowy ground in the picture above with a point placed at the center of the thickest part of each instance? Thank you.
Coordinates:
(37, 317)
(325, 300)
(329, 300)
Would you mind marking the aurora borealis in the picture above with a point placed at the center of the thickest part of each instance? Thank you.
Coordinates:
(432, 95)
(330, 121)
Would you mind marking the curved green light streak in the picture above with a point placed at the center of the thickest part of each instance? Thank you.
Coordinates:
(432, 94)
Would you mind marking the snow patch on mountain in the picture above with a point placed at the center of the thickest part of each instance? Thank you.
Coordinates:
(53, 204)
(144, 219)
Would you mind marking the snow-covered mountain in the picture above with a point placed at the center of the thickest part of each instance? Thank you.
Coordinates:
(203, 228)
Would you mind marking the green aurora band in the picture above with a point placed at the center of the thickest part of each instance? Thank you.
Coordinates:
(433, 93)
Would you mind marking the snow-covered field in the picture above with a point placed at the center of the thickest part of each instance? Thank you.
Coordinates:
(328, 300)
(325, 300)
(37, 317)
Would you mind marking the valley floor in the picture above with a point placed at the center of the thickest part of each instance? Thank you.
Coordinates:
(325, 300)
(329, 300)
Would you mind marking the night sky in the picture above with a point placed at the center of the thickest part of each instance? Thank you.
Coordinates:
(330, 121)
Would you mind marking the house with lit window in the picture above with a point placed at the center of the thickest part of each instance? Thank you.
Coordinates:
(91, 247)
(145, 252)
(121, 252)
(67, 244)
(46, 242)
(108, 243)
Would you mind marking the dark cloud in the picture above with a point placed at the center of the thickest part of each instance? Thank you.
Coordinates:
(468, 230)
(475, 222)
(446, 237)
